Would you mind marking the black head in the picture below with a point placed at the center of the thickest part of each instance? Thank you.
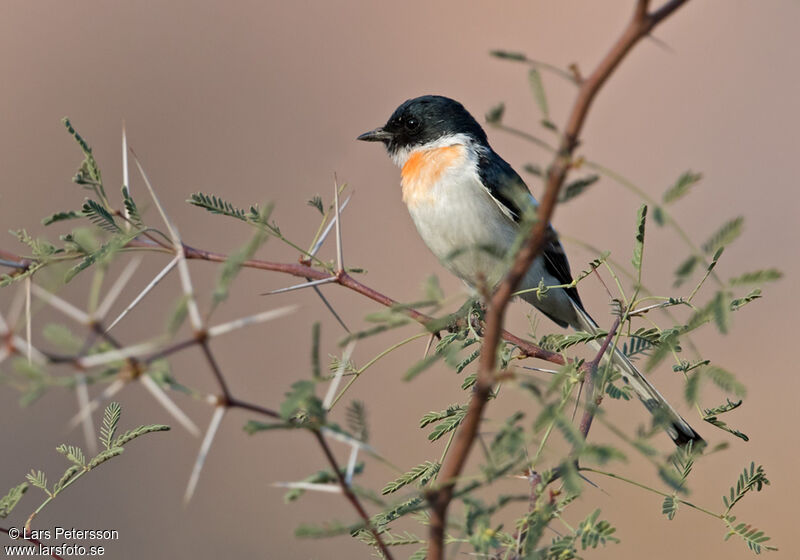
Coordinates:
(425, 119)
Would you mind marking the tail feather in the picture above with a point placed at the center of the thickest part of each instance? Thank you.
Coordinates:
(678, 429)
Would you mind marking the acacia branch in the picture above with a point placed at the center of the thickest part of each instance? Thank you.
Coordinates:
(350, 495)
(639, 26)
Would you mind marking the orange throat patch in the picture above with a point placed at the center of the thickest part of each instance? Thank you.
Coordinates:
(424, 168)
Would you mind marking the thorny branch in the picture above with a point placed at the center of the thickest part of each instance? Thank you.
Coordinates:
(639, 26)
(642, 22)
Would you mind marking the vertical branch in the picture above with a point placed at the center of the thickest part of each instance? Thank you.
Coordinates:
(350, 496)
(639, 26)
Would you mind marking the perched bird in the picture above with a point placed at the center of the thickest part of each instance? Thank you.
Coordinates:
(467, 204)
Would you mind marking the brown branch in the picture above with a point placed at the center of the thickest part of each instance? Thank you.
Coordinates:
(639, 26)
(592, 402)
(350, 496)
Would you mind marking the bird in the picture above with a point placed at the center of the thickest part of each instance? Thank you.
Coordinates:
(468, 203)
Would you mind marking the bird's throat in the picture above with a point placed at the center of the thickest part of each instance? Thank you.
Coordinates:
(424, 168)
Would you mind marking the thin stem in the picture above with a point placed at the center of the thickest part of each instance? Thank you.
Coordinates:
(653, 490)
(366, 366)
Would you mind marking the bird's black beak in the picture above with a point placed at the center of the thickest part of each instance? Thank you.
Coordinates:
(377, 135)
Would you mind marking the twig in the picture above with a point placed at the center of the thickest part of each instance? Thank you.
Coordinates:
(350, 496)
(593, 402)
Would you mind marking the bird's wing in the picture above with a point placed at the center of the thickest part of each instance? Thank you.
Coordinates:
(510, 192)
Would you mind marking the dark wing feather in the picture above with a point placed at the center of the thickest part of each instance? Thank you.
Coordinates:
(510, 191)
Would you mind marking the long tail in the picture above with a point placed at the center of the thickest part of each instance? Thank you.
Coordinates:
(678, 429)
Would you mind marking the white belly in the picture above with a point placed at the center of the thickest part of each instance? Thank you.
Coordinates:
(464, 227)
(471, 235)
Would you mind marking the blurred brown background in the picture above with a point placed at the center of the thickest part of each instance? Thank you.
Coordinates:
(261, 101)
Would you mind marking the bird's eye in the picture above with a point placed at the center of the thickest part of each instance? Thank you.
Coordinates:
(412, 124)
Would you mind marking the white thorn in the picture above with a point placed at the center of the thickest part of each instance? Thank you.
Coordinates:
(109, 392)
(125, 177)
(431, 338)
(339, 258)
(3, 325)
(117, 354)
(28, 316)
(301, 286)
(183, 268)
(146, 290)
(188, 291)
(332, 388)
(118, 286)
(351, 465)
(313, 486)
(168, 404)
(216, 420)
(328, 228)
(30, 350)
(89, 433)
(251, 320)
(65, 307)
(348, 440)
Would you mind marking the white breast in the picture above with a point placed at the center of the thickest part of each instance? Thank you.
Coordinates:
(455, 215)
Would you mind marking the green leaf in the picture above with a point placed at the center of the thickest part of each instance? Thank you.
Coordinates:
(723, 408)
(721, 310)
(684, 271)
(757, 277)
(60, 336)
(658, 215)
(89, 172)
(302, 405)
(61, 216)
(140, 431)
(593, 532)
(73, 454)
(68, 475)
(329, 529)
(638, 246)
(448, 420)
(217, 205)
(110, 421)
(577, 187)
(105, 455)
(714, 421)
(537, 87)
(669, 507)
(37, 479)
(753, 537)
(99, 216)
(495, 114)
(724, 236)
(357, 420)
(316, 202)
(754, 479)
(681, 186)
(424, 471)
(133, 211)
(508, 55)
(725, 380)
(233, 264)
(11, 499)
(738, 303)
